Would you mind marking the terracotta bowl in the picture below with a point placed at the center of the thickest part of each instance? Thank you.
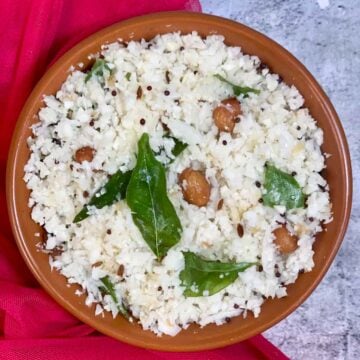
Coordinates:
(338, 174)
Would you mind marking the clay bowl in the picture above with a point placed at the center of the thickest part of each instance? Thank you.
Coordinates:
(338, 174)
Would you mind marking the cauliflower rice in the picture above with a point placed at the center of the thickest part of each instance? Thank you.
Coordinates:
(176, 76)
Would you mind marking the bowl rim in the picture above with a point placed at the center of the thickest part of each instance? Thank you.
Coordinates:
(13, 155)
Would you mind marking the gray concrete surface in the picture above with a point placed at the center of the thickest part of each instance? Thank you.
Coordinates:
(327, 40)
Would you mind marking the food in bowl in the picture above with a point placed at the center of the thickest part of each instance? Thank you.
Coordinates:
(178, 181)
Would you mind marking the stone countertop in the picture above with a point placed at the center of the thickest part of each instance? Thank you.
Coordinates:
(324, 36)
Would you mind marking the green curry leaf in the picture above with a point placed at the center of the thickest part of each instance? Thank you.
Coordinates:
(237, 89)
(179, 147)
(108, 288)
(97, 69)
(282, 189)
(113, 190)
(152, 211)
(205, 277)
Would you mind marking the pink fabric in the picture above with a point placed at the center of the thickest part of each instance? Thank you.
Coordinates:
(32, 325)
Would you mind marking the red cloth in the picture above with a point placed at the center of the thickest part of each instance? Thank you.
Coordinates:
(32, 325)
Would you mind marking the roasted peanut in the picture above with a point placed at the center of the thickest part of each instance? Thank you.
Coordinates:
(286, 243)
(85, 153)
(223, 118)
(195, 187)
(225, 114)
(233, 105)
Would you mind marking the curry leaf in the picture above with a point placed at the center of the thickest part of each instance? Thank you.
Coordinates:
(237, 89)
(179, 147)
(97, 69)
(152, 211)
(113, 190)
(205, 277)
(108, 289)
(128, 76)
(282, 189)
